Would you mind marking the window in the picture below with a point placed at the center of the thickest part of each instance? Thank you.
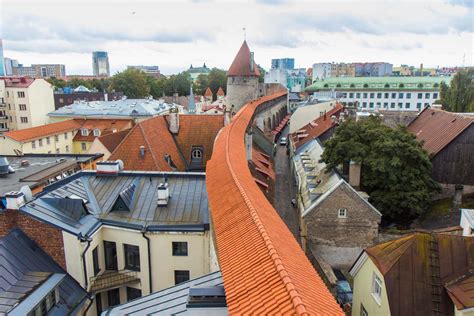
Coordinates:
(342, 213)
(394, 95)
(132, 257)
(110, 253)
(84, 132)
(33, 144)
(372, 94)
(365, 94)
(420, 95)
(427, 95)
(23, 119)
(133, 293)
(407, 105)
(180, 248)
(22, 107)
(379, 95)
(95, 260)
(351, 94)
(358, 95)
(196, 154)
(377, 289)
(364, 104)
(21, 94)
(435, 95)
(363, 311)
(40, 142)
(418, 105)
(57, 150)
(400, 95)
(181, 276)
(46, 304)
(114, 297)
(371, 105)
(83, 146)
(67, 148)
(48, 141)
(56, 138)
(400, 105)
(61, 100)
(408, 95)
(386, 95)
(96, 132)
(385, 105)
(98, 303)
(65, 135)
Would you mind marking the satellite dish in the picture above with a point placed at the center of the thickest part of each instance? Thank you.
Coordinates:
(27, 192)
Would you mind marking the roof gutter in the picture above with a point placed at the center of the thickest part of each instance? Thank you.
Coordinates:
(149, 259)
(83, 256)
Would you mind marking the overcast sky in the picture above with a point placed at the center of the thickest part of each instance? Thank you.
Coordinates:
(175, 34)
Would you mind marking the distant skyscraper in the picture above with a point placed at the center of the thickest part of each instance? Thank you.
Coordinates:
(100, 64)
(9, 65)
(283, 63)
(2, 67)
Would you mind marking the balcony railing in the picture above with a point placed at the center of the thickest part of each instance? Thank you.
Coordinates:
(112, 279)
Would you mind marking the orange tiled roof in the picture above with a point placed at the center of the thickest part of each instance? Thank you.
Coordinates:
(241, 64)
(437, 128)
(18, 82)
(27, 134)
(220, 92)
(112, 140)
(316, 128)
(106, 126)
(208, 92)
(264, 269)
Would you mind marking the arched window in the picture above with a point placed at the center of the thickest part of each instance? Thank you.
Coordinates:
(196, 154)
(401, 85)
(366, 85)
(326, 85)
(338, 85)
(387, 85)
(420, 85)
(352, 85)
(84, 132)
(96, 132)
(436, 85)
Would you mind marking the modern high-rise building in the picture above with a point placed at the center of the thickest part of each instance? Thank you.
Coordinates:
(2, 67)
(283, 63)
(9, 64)
(39, 70)
(100, 64)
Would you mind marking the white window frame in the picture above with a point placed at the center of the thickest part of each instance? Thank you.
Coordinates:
(33, 144)
(84, 146)
(96, 132)
(342, 213)
(377, 289)
(196, 156)
(84, 132)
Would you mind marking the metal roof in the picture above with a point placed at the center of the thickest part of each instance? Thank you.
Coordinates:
(187, 208)
(25, 268)
(118, 108)
(39, 168)
(171, 301)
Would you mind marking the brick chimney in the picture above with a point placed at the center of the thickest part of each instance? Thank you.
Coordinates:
(174, 120)
(354, 174)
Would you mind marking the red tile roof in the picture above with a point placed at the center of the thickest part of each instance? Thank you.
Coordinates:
(406, 265)
(27, 134)
(264, 269)
(18, 82)
(194, 130)
(316, 128)
(220, 92)
(112, 140)
(461, 292)
(241, 64)
(208, 92)
(105, 126)
(438, 128)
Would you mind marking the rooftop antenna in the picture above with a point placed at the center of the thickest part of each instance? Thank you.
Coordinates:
(245, 33)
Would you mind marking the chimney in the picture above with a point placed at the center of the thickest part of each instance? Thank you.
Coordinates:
(227, 114)
(251, 62)
(142, 152)
(354, 174)
(248, 144)
(109, 167)
(15, 200)
(163, 194)
(174, 120)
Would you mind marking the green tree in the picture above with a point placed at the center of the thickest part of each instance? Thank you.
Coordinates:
(76, 82)
(57, 83)
(217, 79)
(132, 82)
(201, 84)
(262, 74)
(396, 171)
(459, 96)
(101, 85)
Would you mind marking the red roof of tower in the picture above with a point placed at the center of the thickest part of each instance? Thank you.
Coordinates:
(241, 64)
(208, 92)
(220, 92)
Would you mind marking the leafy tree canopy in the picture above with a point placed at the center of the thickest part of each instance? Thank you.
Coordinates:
(459, 96)
(132, 82)
(396, 171)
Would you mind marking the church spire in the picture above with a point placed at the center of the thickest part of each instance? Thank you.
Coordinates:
(191, 104)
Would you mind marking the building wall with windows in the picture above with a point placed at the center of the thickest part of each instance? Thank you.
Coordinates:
(163, 262)
(59, 143)
(363, 292)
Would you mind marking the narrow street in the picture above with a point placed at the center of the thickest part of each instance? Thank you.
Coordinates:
(285, 189)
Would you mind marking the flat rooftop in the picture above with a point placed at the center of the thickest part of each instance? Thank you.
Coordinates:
(38, 168)
(81, 203)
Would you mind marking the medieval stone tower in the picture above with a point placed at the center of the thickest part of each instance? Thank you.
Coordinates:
(242, 79)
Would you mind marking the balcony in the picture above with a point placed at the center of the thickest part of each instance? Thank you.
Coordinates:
(3, 117)
(112, 279)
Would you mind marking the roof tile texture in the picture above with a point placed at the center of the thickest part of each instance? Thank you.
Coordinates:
(241, 64)
(437, 128)
(264, 269)
(42, 131)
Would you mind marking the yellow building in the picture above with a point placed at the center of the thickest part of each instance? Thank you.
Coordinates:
(24, 103)
(422, 273)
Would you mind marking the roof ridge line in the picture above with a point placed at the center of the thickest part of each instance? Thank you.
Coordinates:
(148, 145)
(290, 287)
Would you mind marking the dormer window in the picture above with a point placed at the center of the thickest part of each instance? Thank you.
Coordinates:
(84, 132)
(96, 132)
(196, 154)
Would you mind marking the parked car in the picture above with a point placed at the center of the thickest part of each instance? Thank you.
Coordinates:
(283, 141)
(343, 289)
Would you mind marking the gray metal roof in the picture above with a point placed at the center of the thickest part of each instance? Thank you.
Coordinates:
(40, 167)
(118, 108)
(170, 301)
(96, 195)
(25, 269)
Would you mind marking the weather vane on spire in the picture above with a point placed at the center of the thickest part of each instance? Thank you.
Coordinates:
(245, 33)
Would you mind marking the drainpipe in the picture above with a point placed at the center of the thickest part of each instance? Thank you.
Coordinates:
(83, 255)
(149, 258)
(91, 299)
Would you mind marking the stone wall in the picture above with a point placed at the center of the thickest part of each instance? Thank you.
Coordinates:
(49, 238)
(359, 229)
(241, 90)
